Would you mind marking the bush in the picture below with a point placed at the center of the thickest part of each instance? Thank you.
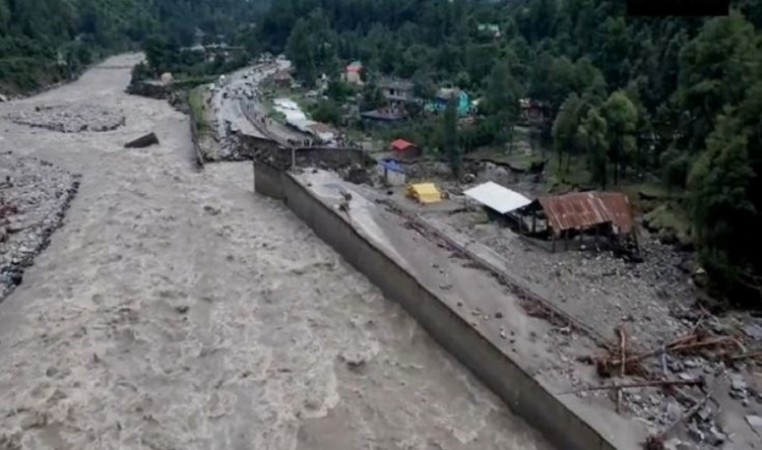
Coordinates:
(326, 111)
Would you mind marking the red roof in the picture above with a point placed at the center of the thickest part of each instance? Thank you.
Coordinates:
(401, 145)
(580, 210)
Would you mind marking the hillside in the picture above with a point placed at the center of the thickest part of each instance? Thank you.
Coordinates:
(670, 101)
(45, 41)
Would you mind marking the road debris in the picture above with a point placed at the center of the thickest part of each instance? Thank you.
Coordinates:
(694, 343)
(623, 357)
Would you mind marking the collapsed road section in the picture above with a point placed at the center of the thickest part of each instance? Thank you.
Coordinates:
(526, 361)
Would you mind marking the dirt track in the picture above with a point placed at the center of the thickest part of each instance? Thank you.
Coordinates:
(177, 310)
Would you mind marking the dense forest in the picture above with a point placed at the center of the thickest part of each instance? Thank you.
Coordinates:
(678, 100)
(44, 41)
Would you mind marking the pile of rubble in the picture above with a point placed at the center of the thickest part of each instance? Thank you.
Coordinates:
(70, 118)
(684, 387)
(687, 374)
(34, 196)
(655, 297)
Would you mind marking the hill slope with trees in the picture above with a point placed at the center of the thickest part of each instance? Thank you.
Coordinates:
(44, 41)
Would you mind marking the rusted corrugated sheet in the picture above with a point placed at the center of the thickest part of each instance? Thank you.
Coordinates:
(580, 210)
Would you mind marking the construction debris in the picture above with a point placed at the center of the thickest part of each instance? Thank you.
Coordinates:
(623, 346)
(658, 383)
(143, 141)
(656, 441)
(691, 343)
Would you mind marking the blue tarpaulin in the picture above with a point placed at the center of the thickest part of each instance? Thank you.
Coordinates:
(392, 166)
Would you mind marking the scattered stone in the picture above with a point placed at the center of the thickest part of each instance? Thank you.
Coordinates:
(677, 444)
(695, 433)
(143, 141)
(704, 414)
(737, 383)
(182, 309)
(498, 315)
(354, 360)
(674, 411)
(34, 420)
(715, 437)
(211, 210)
(755, 422)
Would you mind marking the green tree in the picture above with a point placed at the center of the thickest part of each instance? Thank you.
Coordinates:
(450, 138)
(338, 90)
(326, 111)
(716, 69)
(720, 184)
(502, 101)
(593, 132)
(372, 98)
(299, 50)
(621, 119)
(565, 131)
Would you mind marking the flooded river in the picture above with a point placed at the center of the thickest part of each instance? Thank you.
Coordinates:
(176, 310)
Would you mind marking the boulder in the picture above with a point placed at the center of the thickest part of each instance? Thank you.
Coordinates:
(143, 141)
(167, 78)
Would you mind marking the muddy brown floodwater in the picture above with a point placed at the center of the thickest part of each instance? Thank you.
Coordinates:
(177, 310)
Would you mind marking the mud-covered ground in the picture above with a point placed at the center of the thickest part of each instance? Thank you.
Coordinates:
(177, 310)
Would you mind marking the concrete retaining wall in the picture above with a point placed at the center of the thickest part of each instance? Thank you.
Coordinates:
(520, 391)
(267, 180)
(326, 157)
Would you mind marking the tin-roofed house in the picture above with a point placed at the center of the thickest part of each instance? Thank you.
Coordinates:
(353, 73)
(404, 149)
(584, 217)
(282, 79)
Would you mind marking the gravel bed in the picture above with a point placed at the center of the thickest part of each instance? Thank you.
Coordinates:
(70, 118)
(36, 195)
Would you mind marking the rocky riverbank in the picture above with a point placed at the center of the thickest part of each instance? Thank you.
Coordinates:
(34, 196)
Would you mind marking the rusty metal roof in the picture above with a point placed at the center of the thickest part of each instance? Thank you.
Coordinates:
(580, 210)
